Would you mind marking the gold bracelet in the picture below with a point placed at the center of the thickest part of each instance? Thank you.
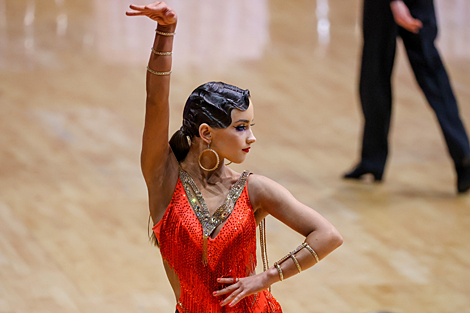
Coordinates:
(279, 270)
(297, 264)
(312, 252)
(164, 34)
(161, 52)
(158, 73)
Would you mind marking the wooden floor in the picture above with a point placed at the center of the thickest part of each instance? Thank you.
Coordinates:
(73, 204)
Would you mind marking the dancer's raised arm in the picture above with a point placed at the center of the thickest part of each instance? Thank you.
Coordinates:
(155, 148)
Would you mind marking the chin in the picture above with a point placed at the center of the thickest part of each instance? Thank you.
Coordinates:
(237, 160)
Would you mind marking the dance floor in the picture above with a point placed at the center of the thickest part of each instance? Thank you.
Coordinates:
(73, 203)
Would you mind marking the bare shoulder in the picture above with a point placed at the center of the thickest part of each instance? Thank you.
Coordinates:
(261, 184)
(263, 190)
(257, 182)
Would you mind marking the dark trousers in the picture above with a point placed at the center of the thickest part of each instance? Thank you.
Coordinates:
(380, 33)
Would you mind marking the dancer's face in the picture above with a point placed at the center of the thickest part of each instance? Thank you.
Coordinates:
(233, 143)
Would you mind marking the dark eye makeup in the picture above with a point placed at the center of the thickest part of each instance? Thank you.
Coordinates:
(243, 127)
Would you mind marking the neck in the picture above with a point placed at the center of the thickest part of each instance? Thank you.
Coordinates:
(191, 166)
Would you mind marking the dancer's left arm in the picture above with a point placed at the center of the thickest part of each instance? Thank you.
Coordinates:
(268, 197)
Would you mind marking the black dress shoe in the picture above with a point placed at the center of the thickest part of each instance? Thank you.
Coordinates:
(463, 178)
(361, 170)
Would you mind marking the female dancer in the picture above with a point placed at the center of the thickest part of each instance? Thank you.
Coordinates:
(205, 214)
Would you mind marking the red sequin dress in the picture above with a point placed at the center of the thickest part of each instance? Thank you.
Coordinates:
(198, 261)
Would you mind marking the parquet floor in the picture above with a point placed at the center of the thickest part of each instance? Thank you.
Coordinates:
(73, 204)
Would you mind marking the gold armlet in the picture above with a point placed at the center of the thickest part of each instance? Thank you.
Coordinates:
(292, 256)
(292, 253)
(312, 252)
(279, 270)
(297, 264)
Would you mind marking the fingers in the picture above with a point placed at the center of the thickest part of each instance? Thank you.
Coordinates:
(409, 23)
(403, 17)
(227, 280)
(236, 300)
(134, 13)
(157, 11)
(412, 25)
(229, 289)
(162, 10)
(224, 291)
(419, 24)
(416, 26)
(138, 10)
(235, 291)
(170, 13)
(233, 298)
(137, 7)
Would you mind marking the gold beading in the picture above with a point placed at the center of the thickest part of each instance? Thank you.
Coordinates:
(198, 204)
(292, 253)
(312, 252)
(164, 34)
(297, 264)
(264, 249)
(158, 73)
(162, 53)
(292, 256)
(279, 270)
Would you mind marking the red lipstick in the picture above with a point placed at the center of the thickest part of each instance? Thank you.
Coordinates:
(246, 150)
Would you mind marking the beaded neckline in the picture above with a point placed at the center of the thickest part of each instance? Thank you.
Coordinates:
(198, 204)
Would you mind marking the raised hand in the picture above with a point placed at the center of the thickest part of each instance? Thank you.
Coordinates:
(403, 17)
(157, 11)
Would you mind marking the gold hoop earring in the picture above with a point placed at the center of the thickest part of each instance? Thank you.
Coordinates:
(216, 156)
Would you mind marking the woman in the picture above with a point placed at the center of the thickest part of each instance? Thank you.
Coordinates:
(205, 214)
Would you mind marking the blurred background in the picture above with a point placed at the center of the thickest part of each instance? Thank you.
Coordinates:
(73, 203)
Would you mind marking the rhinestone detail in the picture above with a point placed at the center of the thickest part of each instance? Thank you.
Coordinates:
(198, 204)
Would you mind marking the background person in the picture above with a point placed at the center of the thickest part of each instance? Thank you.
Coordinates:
(415, 22)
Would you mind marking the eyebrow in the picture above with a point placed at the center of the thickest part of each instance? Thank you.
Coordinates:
(244, 121)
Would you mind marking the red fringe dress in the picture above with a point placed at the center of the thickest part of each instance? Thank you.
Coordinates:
(198, 260)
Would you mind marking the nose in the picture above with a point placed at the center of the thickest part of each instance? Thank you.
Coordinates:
(251, 138)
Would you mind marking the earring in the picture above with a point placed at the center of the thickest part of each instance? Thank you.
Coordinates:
(216, 156)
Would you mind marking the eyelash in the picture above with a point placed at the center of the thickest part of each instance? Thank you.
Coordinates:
(242, 127)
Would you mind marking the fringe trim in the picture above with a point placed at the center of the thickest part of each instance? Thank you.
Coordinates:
(263, 246)
(205, 240)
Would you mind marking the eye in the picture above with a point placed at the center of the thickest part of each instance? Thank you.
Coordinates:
(241, 127)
